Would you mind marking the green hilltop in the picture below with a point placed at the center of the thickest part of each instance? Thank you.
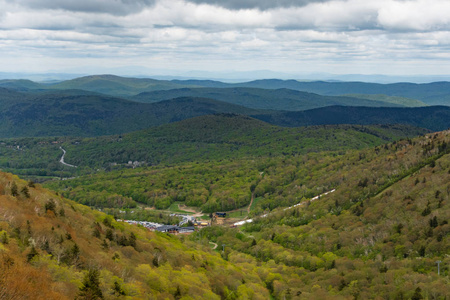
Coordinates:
(222, 136)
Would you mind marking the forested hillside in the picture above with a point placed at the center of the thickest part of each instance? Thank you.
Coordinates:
(435, 93)
(225, 136)
(53, 248)
(379, 234)
(435, 118)
(280, 99)
(80, 113)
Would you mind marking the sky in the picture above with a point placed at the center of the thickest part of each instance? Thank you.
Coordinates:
(180, 36)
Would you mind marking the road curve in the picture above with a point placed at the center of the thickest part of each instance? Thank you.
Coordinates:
(240, 223)
(62, 159)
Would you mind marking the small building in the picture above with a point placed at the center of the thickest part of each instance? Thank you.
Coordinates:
(201, 224)
(174, 229)
(168, 228)
(188, 229)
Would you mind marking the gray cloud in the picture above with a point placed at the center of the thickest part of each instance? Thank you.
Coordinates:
(258, 4)
(115, 7)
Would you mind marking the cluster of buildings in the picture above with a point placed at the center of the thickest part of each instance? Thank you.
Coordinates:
(174, 229)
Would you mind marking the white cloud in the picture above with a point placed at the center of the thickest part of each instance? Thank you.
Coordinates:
(185, 34)
(421, 15)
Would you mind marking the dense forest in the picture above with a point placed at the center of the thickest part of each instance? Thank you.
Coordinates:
(204, 138)
(379, 234)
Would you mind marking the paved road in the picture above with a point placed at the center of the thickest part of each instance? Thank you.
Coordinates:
(298, 204)
(62, 159)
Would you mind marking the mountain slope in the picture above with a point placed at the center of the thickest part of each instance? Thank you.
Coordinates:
(433, 117)
(224, 136)
(408, 102)
(53, 248)
(280, 99)
(80, 113)
(436, 93)
(379, 234)
(115, 85)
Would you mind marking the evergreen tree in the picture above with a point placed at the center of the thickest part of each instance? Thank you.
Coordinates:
(25, 191)
(90, 289)
(32, 254)
(14, 190)
(417, 294)
(117, 289)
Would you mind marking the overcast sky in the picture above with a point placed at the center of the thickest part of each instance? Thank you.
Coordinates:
(291, 36)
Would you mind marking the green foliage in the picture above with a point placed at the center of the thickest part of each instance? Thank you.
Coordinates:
(50, 205)
(262, 98)
(90, 289)
(14, 190)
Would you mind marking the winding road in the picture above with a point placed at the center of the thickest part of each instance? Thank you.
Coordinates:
(62, 159)
(298, 204)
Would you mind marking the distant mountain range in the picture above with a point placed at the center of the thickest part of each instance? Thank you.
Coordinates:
(435, 118)
(436, 93)
(280, 99)
(85, 107)
(72, 114)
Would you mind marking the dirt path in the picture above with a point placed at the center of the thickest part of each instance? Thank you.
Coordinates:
(196, 213)
(215, 245)
(250, 205)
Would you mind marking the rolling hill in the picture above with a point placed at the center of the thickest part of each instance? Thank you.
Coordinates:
(436, 93)
(280, 99)
(54, 248)
(432, 117)
(83, 113)
(378, 234)
(75, 113)
(210, 137)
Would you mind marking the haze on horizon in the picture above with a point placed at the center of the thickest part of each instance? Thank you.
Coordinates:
(176, 36)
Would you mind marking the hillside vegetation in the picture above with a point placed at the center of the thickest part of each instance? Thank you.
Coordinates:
(378, 235)
(435, 93)
(435, 118)
(391, 99)
(225, 136)
(78, 113)
(280, 99)
(53, 248)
